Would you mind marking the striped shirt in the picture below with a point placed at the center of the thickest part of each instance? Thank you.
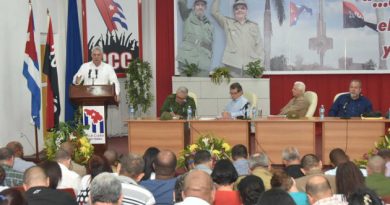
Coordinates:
(134, 194)
(12, 177)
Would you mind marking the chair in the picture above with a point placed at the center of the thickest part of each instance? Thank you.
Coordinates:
(252, 98)
(193, 95)
(313, 100)
(338, 95)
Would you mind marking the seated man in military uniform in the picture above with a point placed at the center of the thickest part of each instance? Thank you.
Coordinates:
(177, 104)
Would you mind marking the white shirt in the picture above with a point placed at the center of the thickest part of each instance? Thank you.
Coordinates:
(103, 74)
(21, 165)
(70, 179)
(193, 201)
(235, 107)
(332, 172)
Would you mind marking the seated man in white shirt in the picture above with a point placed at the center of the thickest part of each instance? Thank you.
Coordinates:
(96, 72)
(238, 106)
(69, 179)
(19, 164)
(198, 189)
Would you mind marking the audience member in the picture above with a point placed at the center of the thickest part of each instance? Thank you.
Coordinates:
(12, 196)
(130, 173)
(364, 196)
(177, 104)
(2, 178)
(70, 179)
(198, 189)
(112, 158)
(12, 177)
(298, 104)
(281, 180)
(259, 166)
(74, 166)
(53, 171)
(292, 162)
(149, 157)
(189, 162)
(320, 193)
(224, 175)
(275, 196)
(250, 188)
(106, 189)
(385, 154)
(240, 159)
(203, 161)
(348, 179)
(238, 104)
(36, 183)
(164, 184)
(351, 104)
(312, 166)
(179, 185)
(337, 156)
(96, 165)
(376, 179)
(20, 164)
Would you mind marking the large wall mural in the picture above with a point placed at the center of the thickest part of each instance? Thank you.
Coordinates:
(289, 36)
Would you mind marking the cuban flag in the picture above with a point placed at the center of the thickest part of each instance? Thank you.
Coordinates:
(111, 13)
(296, 10)
(31, 72)
(96, 118)
(354, 18)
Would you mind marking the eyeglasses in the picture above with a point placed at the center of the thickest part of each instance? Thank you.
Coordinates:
(234, 92)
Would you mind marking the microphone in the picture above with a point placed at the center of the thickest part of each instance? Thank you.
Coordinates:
(245, 108)
(345, 105)
(96, 73)
(89, 73)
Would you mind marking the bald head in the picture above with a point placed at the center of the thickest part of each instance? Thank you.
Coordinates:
(318, 187)
(165, 164)
(35, 176)
(376, 165)
(199, 184)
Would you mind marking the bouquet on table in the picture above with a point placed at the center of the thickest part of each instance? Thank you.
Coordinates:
(381, 144)
(218, 148)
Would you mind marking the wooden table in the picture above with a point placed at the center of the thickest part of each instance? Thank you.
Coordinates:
(163, 134)
(355, 136)
(233, 131)
(275, 134)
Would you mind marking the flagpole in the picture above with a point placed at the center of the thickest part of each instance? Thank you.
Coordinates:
(36, 144)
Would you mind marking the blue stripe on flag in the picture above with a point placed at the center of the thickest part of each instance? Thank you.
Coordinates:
(35, 94)
(101, 126)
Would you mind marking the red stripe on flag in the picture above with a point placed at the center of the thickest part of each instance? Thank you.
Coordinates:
(104, 9)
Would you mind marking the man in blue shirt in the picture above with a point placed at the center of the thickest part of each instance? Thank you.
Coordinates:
(352, 104)
(238, 105)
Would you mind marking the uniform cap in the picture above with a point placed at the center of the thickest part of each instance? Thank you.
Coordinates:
(196, 1)
(239, 2)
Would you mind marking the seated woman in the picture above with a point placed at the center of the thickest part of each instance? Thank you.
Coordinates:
(12, 196)
(282, 180)
(224, 175)
(349, 179)
(250, 188)
(53, 171)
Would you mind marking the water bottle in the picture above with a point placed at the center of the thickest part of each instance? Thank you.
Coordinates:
(322, 112)
(131, 112)
(189, 113)
(254, 113)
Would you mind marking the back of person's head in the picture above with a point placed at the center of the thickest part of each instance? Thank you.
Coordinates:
(338, 156)
(96, 165)
(199, 184)
(5, 154)
(12, 196)
(53, 171)
(111, 156)
(16, 147)
(290, 154)
(179, 185)
(364, 196)
(62, 155)
(68, 146)
(237, 86)
(310, 162)
(258, 160)
(239, 151)
(376, 165)
(35, 176)
(250, 188)
(275, 196)
(318, 187)
(132, 165)
(202, 156)
(224, 172)
(2, 175)
(105, 188)
(149, 157)
(385, 154)
(348, 178)
(281, 180)
(165, 164)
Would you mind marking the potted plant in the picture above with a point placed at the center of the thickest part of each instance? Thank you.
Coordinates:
(138, 85)
(254, 69)
(219, 74)
(190, 69)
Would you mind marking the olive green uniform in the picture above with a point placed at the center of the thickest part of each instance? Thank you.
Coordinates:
(170, 105)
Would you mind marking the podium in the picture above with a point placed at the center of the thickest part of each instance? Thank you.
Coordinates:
(94, 100)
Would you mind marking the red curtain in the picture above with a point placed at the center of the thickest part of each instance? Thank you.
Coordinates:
(326, 86)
